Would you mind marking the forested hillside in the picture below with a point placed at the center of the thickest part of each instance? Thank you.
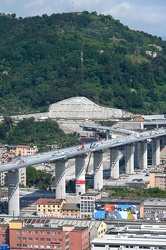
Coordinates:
(29, 132)
(47, 59)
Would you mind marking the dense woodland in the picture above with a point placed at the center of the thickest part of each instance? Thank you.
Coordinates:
(47, 59)
(29, 132)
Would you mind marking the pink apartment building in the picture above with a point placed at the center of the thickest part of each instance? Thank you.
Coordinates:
(26, 150)
(39, 236)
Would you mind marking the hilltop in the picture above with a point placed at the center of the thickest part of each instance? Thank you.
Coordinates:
(50, 58)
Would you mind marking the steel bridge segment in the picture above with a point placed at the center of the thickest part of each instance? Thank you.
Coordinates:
(71, 152)
(125, 131)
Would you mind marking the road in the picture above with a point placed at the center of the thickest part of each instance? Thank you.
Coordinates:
(72, 152)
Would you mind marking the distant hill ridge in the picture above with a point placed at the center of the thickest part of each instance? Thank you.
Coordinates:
(46, 59)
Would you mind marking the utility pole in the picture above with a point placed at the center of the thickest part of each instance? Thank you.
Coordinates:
(72, 5)
(82, 66)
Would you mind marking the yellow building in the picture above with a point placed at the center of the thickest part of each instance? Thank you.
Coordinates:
(71, 210)
(15, 224)
(49, 207)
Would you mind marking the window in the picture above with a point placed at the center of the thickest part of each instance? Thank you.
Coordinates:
(59, 233)
(41, 246)
(36, 239)
(18, 231)
(47, 239)
(24, 245)
(18, 238)
(30, 238)
(48, 232)
(53, 233)
(41, 239)
(41, 232)
(36, 232)
(98, 245)
(18, 245)
(114, 246)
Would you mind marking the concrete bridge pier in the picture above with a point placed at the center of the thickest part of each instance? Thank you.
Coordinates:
(156, 152)
(137, 155)
(98, 169)
(80, 174)
(114, 163)
(129, 159)
(144, 155)
(163, 141)
(60, 184)
(107, 135)
(13, 192)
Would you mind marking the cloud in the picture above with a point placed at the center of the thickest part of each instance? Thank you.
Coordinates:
(146, 17)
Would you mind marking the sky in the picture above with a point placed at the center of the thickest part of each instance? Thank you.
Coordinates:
(144, 15)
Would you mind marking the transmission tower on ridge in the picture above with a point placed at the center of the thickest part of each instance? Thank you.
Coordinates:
(72, 5)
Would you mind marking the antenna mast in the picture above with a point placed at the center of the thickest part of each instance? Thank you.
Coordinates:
(82, 66)
(72, 5)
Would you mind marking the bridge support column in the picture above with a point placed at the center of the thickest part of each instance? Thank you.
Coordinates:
(60, 185)
(114, 163)
(80, 174)
(156, 152)
(129, 159)
(163, 141)
(137, 155)
(107, 135)
(144, 157)
(13, 193)
(98, 170)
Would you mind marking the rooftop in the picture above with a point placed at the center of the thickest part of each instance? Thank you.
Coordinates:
(71, 206)
(64, 222)
(157, 202)
(90, 194)
(49, 201)
(132, 239)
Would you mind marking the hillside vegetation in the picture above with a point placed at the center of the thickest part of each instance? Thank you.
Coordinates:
(47, 59)
(29, 132)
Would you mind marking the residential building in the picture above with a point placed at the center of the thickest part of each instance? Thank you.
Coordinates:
(4, 233)
(3, 150)
(15, 151)
(157, 178)
(24, 150)
(22, 176)
(97, 228)
(87, 204)
(49, 207)
(3, 178)
(46, 236)
(154, 209)
(71, 210)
